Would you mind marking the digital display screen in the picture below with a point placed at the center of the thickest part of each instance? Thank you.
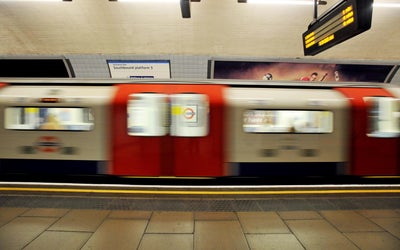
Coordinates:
(346, 19)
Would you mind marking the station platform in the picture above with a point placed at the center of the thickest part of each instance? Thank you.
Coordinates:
(65, 216)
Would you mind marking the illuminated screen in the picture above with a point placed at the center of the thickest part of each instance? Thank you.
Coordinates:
(343, 21)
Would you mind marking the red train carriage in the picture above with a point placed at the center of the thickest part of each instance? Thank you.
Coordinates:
(374, 141)
(209, 129)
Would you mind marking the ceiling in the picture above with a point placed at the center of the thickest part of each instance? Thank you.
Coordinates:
(217, 28)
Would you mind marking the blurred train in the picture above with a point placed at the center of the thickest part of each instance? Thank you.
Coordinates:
(203, 129)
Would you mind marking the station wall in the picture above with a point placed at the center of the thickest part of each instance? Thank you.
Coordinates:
(182, 66)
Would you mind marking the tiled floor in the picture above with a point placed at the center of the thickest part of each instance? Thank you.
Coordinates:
(41, 227)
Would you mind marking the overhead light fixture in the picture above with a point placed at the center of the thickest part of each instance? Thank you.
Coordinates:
(185, 8)
(145, 1)
(36, 0)
(387, 5)
(382, 4)
(279, 2)
(284, 2)
(151, 1)
(185, 4)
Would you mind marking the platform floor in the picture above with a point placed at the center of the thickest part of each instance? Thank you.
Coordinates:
(63, 221)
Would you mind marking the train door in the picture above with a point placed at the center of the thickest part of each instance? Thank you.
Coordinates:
(168, 130)
(374, 135)
(137, 133)
(197, 130)
(395, 114)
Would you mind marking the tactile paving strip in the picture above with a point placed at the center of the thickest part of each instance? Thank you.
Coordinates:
(201, 204)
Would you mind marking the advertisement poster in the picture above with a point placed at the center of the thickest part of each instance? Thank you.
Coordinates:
(287, 71)
(148, 69)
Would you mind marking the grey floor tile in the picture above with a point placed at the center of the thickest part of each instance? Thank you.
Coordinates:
(80, 220)
(342, 204)
(117, 234)
(171, 204)
(350, 221)
(219, 235)
(46, 212)
(245, 205)
(379, 213)
(219, 205)
(59, 240)
(273, 241)
(271, 205)
(167, 242)
(297, 204)
(262, 222)
(22, 230)
(198, 205)
(9, 213)
(377, 202)
(374, 240)
(171, 222)
(321, 204)
(319, 234)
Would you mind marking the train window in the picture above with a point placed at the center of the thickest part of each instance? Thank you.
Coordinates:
(189, 115)
(383, 117)
(147, 114)
(287, 121)
(49, 118)
(182, 115)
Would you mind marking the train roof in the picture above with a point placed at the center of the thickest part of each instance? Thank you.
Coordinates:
(228, 82)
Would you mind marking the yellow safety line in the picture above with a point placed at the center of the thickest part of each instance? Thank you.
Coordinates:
(188, 192)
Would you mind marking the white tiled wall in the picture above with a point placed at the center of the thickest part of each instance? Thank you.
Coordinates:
(182, 66)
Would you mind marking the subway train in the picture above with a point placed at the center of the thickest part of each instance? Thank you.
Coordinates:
(197, 129)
